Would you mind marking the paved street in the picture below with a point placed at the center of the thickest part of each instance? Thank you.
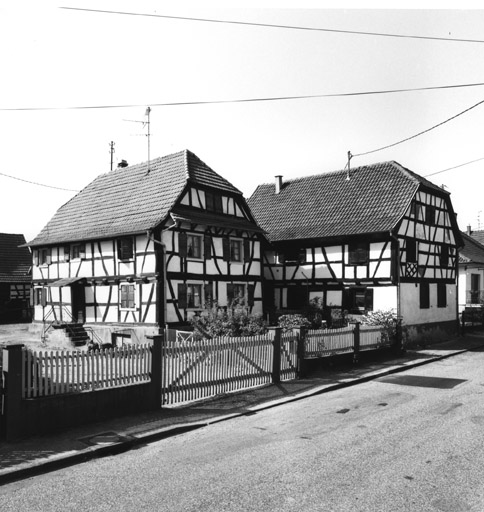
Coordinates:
(406, 442)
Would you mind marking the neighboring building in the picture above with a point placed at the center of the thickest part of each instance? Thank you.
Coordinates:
(147, 246)
(477, 234)
(377, 238)
(471, 273)
(15, 279)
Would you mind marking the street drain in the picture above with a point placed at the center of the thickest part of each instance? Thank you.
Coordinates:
(104, 439)
(421, 381)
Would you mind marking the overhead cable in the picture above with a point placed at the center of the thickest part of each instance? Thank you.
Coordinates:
(420, 133)
(244, 100)
(36, 183)
(455, 167)
(272, 25)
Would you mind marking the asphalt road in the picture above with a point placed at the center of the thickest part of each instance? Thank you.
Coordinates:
(408, 442)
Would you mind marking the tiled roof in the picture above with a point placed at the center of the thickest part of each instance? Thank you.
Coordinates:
(373, 200)
(197, 216)
(478, 235)
(129, 200)
(472, 251)
(15, 261)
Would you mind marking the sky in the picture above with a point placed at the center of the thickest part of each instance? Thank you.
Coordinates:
(75, 80)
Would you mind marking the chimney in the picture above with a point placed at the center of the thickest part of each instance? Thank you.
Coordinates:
(123, 163)
(469, 230)
(278, 183)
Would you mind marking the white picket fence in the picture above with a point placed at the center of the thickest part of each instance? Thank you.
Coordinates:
(53, 373)
(328, 342)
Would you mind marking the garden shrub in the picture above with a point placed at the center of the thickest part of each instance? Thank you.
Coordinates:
(234, 320)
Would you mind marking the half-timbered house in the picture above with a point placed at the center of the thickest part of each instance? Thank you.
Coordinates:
(15, 279)
(471, 273)
(378, 237)
(147, 246)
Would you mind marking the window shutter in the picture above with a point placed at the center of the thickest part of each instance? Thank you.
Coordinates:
(124, 296)
(424, 295)
(444, 256)
(182, 296)
(36, 257)
(207, 247)
(48, 257)
(208, 294)
(230, 293)
(441, 295)
(44, 297)
(246, 250)
(250, 294)
(182, 245)
(369, 299)
(131, 301)
(226, 248)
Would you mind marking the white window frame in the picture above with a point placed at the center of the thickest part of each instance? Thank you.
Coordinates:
(200, 296)
(240, 243)
(127, 308)
(192, 236)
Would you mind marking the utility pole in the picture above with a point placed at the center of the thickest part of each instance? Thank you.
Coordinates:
(111, 150)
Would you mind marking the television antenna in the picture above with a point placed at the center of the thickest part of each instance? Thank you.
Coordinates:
(146, 124)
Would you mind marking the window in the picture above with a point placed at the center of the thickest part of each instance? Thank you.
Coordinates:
(189, 295)
(416, 210)
(67, 253)
(127, 296)
(40, 296)
(235, 293)
(441, 295)
(411, 249)
(424, 295)
(213, 202)
(430, 214)
(45, 257)
(78, 251)
(194, 246)
(293, 255)
(358, 299)
(194, 295)
(235, 250)
(125, 248)
(358, 253)
(444, 256)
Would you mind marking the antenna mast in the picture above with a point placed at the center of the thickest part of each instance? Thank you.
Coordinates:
(147, 113)
(111, 150)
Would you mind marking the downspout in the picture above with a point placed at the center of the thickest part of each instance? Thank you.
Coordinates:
(160, 254)
(396, 263)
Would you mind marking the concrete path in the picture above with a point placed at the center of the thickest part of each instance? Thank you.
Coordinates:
(35, 455)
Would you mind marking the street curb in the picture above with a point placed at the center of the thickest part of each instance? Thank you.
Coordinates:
(133, 441)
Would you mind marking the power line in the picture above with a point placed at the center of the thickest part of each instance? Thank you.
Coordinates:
(455, 167)
(39, 184)
(271, 25)
(245, 100)
(420, 133)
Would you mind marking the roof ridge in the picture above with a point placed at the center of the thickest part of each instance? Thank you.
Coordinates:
(337, 171)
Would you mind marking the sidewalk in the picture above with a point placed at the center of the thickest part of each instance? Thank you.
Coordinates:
(36, 455)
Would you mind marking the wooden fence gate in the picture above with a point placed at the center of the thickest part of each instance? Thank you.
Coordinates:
(195, 369)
